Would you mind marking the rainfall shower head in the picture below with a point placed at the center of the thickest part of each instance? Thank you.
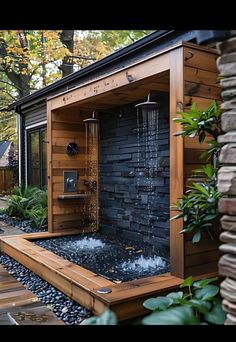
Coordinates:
(148, 104)
(92, 119)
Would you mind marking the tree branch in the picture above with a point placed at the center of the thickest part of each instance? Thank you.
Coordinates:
(10, 84)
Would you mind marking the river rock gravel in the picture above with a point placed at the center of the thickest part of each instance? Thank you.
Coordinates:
(66, 309)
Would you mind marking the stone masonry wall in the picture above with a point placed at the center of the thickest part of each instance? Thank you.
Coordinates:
(134, 202)
(227, 177)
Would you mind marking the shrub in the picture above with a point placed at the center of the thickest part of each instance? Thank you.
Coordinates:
(199, 204)
(28, 203)
(199, 305)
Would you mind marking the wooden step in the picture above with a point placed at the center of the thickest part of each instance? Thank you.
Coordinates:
(19, 306)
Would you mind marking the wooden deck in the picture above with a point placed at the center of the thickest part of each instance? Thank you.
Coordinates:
(80, 284)
(19, 306)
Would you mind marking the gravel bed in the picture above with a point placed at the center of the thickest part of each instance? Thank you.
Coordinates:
(112, 257)
(64, 308)
(24, 225)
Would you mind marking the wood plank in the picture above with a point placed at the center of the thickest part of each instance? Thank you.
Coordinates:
(201, 269)
(189, 168)
(64, 141)
(13, 296)
(200, 258)
(69, 127)
(202, 102)
(62, 149)
(76, 159)
(193, 143)
(72, 117)
(109, 83)
(193, 156)
(176, 161)
(204, 246)
(67, 164)
(59, 172)
(71, 135)
(196, 75)
(203, 60)
(33, 314)
(201, 90)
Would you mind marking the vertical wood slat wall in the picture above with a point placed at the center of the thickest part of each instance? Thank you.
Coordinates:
(65, 127)
(200, 86)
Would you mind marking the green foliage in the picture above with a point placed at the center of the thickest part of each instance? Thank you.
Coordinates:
(28, 203)
(106, 318)
(198, 122)
(172, 316)
(198, 305)
(199, 204)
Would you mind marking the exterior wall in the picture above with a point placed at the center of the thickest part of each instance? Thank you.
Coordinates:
(200, 86)
(133, 206)
(35, 115)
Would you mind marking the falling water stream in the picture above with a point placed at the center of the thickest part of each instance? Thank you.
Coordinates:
(147, 137)
(91, 170)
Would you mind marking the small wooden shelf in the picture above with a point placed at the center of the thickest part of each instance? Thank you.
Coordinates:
(72, 196)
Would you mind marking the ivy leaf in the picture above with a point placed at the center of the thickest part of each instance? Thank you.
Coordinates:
(201, 305)
(216, 315)
(176, 297)
(207, 292)
(159, 303)
(202, 283)
(174, 316)
(196, 237)
(187, 282)
(107, 318)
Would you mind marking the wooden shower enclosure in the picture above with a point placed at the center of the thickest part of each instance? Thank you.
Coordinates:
(187, 72)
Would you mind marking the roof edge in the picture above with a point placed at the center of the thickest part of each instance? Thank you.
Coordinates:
(121, 53)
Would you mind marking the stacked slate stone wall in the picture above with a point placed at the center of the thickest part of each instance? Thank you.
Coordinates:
(134, 204)
(227, 177)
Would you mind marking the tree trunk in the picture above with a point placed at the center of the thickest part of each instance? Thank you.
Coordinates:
(67, 38)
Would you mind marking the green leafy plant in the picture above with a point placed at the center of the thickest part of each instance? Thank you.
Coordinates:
(199, 205)
(108, 317)
(202, 123)
(198, 305)
(28, 203)
(37, 216)
(198, 122)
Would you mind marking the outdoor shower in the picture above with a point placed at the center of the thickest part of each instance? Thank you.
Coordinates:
(147, 128)
(91, 168)
(148, 105)
(92, 137)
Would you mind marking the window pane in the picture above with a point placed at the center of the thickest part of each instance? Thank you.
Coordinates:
(44, 157)
(34, 171)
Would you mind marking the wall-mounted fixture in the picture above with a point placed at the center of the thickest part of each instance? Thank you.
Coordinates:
(147, 105)
(70, 181)
(72, 148)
